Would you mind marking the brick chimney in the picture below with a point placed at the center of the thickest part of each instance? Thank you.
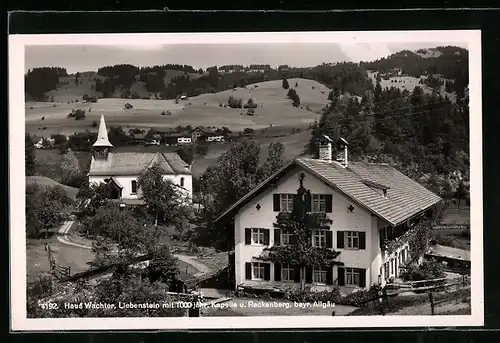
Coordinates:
(341, 146)
(325, 148)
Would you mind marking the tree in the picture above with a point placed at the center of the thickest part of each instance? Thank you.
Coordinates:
(72, 175)
(301, 223)
(292, 94)
(233, 175)
(163, 199)
(120, 236)
(59, 139)
(285, 84)
(29, 155)
(95, 195)
(274, 160)
(163, 266)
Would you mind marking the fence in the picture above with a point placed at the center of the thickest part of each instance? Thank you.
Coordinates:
(55, 268)
(430, 286)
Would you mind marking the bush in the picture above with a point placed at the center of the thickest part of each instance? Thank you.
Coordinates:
(94, 123)
(234, 102)
(250, 112)
(361, 297)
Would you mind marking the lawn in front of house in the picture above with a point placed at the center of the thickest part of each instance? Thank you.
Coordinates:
(274, 307)
(37, 260)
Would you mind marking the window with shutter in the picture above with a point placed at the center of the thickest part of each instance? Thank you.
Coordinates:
(288, 273)
(260, 236)
(258, 271)
(320, 275)
(351, 239)
(286, 203)
(352, 277)
(340, 239)
(319, 238)
(319, 203)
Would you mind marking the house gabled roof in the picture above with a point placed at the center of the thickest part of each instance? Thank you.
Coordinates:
(405, 198)
(205, 130)
(134, 163)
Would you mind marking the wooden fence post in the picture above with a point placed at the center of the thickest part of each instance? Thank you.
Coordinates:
(431, 298)
(383, 300)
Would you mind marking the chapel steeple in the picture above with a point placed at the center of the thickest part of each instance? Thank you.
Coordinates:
(102, 144)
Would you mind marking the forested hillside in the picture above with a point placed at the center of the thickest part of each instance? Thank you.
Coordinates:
(444, 63)
(425, 135)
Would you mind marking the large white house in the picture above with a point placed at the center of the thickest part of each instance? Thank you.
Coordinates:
(122, 169)
(367, 203)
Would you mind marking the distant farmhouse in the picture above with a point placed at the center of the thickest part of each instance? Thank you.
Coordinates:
(206, 134)
(121, 170)
(369, 204)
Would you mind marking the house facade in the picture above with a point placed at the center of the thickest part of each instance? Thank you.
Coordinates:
(209, 134)
(122, 169)
(367, 204)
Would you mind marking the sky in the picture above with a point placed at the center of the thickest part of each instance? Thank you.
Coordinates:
(91, 57)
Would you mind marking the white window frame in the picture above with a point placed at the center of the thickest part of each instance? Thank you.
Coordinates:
(352, 277)
(319, 235)
(319, 276)
(258, 271)
(132, 187)
(351, 240)
(286, 238)
(286, 202)
(258, 236)
(287, 273)
(318, 203)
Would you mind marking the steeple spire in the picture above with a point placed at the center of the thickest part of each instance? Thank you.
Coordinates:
(102, 135)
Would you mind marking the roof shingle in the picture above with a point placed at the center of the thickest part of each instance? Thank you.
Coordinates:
(404, 197)
(134, 163)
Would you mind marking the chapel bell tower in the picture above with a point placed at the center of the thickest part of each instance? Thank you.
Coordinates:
(101, 147)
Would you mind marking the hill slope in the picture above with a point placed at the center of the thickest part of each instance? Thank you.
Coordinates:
(274, 108)
(45, 181)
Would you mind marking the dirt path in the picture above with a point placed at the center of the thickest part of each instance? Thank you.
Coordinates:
(64, 237)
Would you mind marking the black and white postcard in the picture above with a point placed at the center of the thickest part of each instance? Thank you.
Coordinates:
(246, 180)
